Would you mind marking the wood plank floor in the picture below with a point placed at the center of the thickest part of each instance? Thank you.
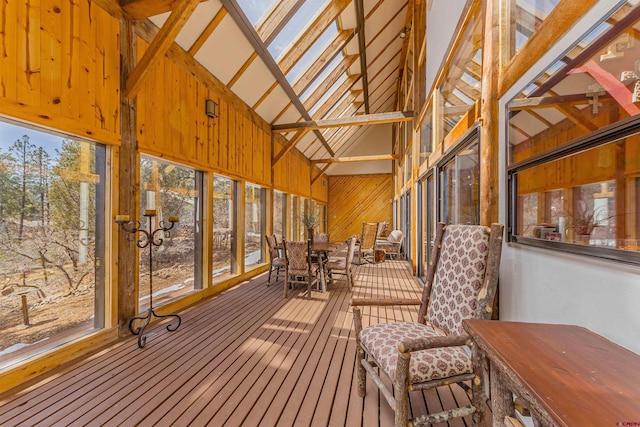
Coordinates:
(247, 357)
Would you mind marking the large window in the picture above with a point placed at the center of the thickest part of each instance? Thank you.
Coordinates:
(526, 17)
(459, 183)
(461, 86)
(170, 190)
(574, 167)
(279, 214)
(224, 262)
(426, 224)
(52, 240)
(294, 218)
(255, 226)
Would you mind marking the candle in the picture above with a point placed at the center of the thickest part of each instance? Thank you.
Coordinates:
(122, 218)
(173, 219)
(151, 200)
(150, 212)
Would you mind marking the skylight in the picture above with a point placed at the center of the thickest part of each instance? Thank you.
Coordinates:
(316, 82)
(294, 27)
(316, 49)
(254, 9)
(333, 88)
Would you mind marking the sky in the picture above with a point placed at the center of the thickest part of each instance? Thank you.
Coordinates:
(9, 133)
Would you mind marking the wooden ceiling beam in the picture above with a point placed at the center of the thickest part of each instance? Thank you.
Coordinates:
(360, 25)
(290, 145)
(202, 38)
(256, 42)
(141, 9)
(320, 173)
(405, 51)
(329, 81)
(365, 119)
(356, 159)
(160, 45)
(336, 96)
(311, 33)
(319, 64)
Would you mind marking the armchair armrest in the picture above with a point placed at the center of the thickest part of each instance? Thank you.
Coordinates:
(356, 302)
(408, 346)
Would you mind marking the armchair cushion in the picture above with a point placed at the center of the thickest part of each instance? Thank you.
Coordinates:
(381, 341)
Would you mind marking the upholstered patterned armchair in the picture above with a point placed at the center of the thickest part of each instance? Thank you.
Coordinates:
(461, 283)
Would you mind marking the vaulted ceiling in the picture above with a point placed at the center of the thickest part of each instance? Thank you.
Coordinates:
(295, 60)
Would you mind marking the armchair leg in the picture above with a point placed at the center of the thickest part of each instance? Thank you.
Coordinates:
(362, 374)
(401, 385)
(269, 277)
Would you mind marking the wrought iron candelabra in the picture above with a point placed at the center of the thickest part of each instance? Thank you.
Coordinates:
(147, 237)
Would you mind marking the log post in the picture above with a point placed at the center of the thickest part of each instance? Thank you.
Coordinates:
(489, 143)
(129, 183)
(25, 310)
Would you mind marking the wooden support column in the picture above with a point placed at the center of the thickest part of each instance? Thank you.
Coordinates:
(129, 183)
(489, 112)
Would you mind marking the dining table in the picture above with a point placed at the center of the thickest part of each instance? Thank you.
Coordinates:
(321, 251)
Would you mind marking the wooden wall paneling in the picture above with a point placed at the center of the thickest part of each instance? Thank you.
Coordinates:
(55, 72)
(51, 64)
(85, 90)
(357, 198)
(9, 58)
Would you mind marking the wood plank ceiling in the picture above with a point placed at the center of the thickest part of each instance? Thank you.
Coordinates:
(292, 60)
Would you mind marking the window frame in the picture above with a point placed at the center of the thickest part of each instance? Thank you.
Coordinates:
(619, 130)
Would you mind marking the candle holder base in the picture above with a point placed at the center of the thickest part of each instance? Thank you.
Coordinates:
(142, 339)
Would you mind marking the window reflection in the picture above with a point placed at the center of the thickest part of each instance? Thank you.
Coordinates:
(459, 187)
(576, 177)
(52, 240)
(170, 190)
(224, 262)
(255, 226)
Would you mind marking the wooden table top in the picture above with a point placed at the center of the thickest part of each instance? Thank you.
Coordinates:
(578, 377)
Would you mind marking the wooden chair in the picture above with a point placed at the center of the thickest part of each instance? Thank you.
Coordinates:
(367, 240)
(461, 283)
(298, 267)
(343, 265)
(276, 262)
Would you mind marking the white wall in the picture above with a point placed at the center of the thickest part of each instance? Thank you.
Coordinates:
(442, 20)
(375, 140)
(541, 285)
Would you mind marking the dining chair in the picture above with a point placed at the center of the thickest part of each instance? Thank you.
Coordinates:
(298, 266)
(343, 265)
(276, 262)
(321, 237)
(435, 350)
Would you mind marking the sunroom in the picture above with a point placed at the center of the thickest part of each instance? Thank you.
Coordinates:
(150, 148)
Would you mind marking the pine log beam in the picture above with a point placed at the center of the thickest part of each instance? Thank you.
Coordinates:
(367, 119)
(289, 146)
(489, 176)
(320, 173)
(129, 182)
(362, 49)
(141, 9)
(160, 45)
(554, 26)
(356, 159)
